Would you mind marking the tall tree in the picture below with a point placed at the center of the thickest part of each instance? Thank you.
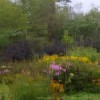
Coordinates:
(12, 19)
(12, 16)
(42, 15)
(85, 28)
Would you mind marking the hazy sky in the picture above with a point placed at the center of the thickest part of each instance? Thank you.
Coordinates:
(86, 4)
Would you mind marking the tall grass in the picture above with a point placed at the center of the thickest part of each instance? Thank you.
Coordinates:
(23, 89)
(4, 92)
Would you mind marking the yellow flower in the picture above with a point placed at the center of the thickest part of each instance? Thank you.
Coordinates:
(63, 57)
(53, 85)
(85, 59)
(73, 57)
(58, 98)
(67, 57)
(56, 86)
(97, 84)
(61, 87)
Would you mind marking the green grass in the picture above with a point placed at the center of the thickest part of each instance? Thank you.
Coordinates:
(82, 96)
(4, 92)
(39, 91)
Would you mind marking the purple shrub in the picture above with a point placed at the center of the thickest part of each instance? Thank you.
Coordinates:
(17, 51)
(55, 48)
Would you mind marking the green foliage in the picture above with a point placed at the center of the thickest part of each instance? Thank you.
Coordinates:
(91, 53)
(7, 79)
(12, 19)
(4, 92)
(68, 40)
(82, 80)
(85, 28)
(82, 96)
(23, 90)
(44, 19)
(11, 16)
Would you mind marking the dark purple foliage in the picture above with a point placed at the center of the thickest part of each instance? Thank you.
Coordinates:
(17, 51)
(56, 48)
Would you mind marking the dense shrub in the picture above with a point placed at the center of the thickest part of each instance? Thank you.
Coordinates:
(55, 48)
(82, 80)
(96, 44)
(48, 48)
(17, 51)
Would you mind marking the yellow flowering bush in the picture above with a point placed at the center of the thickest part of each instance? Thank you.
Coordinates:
(66, 58)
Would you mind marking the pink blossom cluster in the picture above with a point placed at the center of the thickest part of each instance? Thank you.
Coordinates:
(57, 68)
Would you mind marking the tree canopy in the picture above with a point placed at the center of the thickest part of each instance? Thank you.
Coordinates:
(43, 25)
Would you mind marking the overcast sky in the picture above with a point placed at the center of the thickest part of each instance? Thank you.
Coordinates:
(86, 4)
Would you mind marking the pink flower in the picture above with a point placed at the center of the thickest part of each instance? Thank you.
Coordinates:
(57, 73)
(64, 70)
(55, 67)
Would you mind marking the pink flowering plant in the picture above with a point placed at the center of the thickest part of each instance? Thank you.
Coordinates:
(58, 72)
(73, 78)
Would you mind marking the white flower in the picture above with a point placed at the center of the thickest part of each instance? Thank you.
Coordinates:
(3, 66)
(71, 74)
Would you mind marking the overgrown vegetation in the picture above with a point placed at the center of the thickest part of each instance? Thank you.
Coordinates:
(36, 33)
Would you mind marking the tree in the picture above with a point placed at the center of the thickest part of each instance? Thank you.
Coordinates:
(12, 19)
(67, 40)
(12, 16)
(42, 15)
(85, 29)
